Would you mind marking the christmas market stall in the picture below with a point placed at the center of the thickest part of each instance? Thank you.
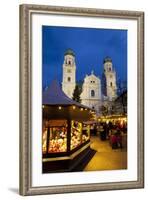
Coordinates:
(66, 136)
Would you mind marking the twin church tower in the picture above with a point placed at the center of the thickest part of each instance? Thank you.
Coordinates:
(94, 90)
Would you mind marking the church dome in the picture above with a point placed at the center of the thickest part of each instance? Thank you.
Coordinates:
(69, 52)
(107, 59)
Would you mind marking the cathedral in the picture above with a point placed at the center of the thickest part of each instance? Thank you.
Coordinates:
(95, 91)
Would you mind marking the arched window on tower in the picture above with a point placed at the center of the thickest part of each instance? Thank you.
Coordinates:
(92, 93)
(69, 79)
(111, 84)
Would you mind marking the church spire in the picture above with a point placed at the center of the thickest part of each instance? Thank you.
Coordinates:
(69, 73)
(110, 85)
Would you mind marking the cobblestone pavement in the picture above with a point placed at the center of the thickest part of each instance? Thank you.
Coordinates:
(105, 157)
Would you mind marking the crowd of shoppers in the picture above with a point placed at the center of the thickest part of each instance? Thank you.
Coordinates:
(112, 131)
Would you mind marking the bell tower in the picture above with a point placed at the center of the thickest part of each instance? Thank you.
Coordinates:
(110, 79)
(69, 73)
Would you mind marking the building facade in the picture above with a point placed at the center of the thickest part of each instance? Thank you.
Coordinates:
(91, 91)
(95, 92)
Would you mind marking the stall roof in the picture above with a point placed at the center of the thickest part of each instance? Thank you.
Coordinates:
(54, 95)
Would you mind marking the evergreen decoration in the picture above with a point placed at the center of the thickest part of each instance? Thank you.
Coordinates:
(76, 93)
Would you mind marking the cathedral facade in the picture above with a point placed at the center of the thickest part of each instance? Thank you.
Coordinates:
(95, 92)
(91, 91)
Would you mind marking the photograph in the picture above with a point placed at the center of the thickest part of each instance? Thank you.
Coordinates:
(81, 99)
(84, 99)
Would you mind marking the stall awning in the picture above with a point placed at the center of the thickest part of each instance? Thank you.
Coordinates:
(57, 105)
(54, 95)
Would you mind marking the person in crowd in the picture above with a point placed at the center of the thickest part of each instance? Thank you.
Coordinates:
(113, 140)
(119, 138)
(95, 129)
(101, 131)
(91, 129)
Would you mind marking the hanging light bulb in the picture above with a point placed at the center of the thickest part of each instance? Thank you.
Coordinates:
(74, 107)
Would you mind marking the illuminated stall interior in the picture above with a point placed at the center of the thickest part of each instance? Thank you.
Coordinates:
(66, 134)
(114, 119)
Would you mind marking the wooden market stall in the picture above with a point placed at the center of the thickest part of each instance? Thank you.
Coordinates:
(66, 136)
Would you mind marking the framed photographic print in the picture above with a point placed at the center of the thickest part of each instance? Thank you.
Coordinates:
(81, 99)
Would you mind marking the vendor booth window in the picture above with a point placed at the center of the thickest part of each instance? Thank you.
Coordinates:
(44, 141)
(76, 132)
(57, 136)
(80, 133)
(85, 133)
(58, 140)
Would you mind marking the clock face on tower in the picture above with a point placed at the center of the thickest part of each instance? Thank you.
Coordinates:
(69, 71)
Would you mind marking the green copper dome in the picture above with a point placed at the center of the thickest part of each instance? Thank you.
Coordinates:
(69, 52)
(107, 59)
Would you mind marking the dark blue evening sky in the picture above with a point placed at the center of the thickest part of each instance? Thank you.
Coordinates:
(90, 46)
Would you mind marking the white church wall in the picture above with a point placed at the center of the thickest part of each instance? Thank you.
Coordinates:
(69, 75)
(91, 91)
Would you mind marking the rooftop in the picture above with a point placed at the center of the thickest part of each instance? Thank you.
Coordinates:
(107, 59)
(54, 95)
(69, 52)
